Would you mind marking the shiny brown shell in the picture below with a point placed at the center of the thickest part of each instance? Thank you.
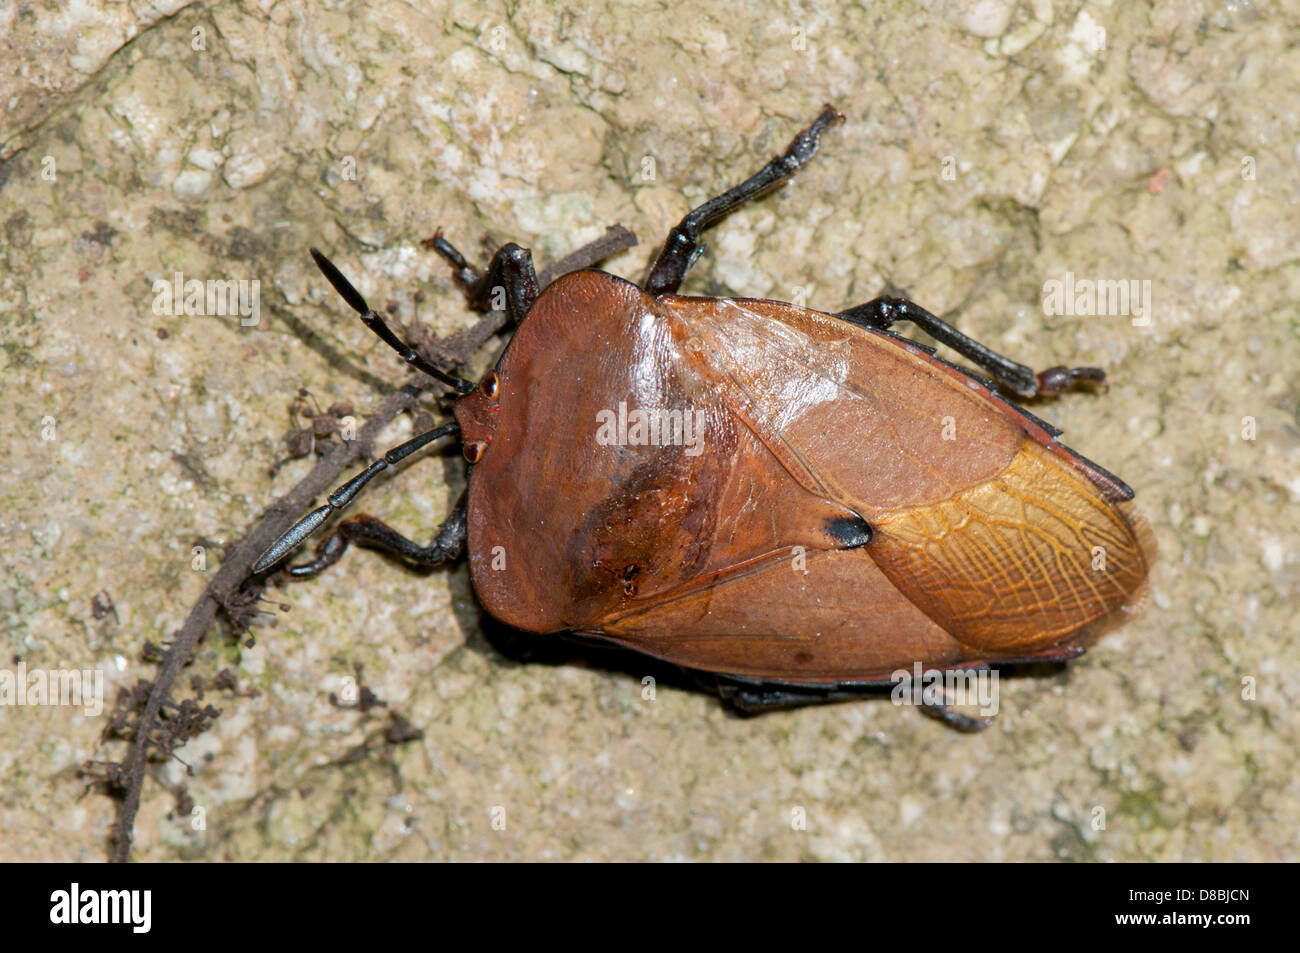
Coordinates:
(739, 546)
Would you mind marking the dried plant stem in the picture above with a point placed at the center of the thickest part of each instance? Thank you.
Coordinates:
(234, 571)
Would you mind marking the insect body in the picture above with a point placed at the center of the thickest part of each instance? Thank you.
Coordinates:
(800, 502)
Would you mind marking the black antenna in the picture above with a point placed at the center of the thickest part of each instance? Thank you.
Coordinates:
(345, 494)
(375, 323)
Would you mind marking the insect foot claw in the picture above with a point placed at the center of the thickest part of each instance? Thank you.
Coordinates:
(956, 720)
(1054, 380)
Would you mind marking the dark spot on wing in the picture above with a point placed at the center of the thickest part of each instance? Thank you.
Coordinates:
(849, 532)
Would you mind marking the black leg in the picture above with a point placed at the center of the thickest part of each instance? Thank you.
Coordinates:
(344, 495)
(881, 313)
(683, 244)
(509, 283)
(753, 697)
(447, 546)
(955, 720)
(374, 322)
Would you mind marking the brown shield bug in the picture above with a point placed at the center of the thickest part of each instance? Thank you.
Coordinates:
(798, 502)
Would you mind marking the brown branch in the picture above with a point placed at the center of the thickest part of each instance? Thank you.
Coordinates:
(234, 570)
(235, 567)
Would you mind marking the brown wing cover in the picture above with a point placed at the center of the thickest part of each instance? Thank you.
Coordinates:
(990, 540)
(564, 530)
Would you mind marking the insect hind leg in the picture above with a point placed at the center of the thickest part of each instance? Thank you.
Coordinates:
(753, 697)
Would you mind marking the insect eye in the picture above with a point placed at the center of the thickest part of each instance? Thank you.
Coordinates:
(491, 385)
(474, 450)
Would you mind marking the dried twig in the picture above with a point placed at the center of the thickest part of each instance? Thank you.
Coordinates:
(234, 571)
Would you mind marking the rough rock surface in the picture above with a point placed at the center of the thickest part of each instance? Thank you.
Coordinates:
(990, 148)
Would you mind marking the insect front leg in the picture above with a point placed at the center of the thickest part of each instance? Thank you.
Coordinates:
(447, 546)
(881, 314)
(361, 529)
(509, 283)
